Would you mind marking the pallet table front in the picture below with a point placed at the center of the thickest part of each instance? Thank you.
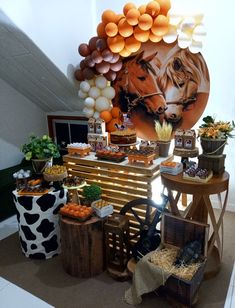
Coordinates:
(120, 182)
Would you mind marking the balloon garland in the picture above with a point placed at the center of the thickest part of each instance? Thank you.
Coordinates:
(120, 35)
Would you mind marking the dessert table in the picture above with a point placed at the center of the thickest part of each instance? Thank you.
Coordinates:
(38, 221)
(201, 209)
(120, 182)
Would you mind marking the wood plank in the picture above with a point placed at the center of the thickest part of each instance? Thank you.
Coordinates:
(108, 172)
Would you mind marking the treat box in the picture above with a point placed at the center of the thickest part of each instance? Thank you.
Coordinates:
(173, 168)
(106, 210)
(176, 232)
(197, 178)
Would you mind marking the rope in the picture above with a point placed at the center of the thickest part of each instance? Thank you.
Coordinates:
(213, 152)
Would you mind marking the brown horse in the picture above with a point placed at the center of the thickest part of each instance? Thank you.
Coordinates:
(138, 94)
(184, 80)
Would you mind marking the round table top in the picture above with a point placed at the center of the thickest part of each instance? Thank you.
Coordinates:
(217, 184)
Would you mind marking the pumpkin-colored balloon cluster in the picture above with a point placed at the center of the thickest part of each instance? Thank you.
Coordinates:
(187, 29)
(112, 117)
(125, 32)
(97, 95)
(98, 60)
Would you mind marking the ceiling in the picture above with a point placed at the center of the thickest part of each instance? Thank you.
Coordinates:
(27, 69)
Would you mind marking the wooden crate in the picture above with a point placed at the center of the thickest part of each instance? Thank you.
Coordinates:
(214, 163)
(176, 232)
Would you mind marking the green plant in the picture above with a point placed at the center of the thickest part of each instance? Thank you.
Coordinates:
(40, 148)
(215, 129)
(92, 192)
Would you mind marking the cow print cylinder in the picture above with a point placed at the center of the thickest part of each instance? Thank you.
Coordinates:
(38, 221)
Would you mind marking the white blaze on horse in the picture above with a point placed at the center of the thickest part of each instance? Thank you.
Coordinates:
(136, 85)
(181, 78)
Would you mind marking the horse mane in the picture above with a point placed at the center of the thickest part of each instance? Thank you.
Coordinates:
(192, 65)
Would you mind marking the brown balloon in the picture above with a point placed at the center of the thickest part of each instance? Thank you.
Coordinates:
(89, 61)
(116, 66)
(78, 74)
(102, 67)
(101, 44)
(82, 64)
(107, 55)
(84, 50)
(96, 56)
(115, 58)
(88, 73)
(92, 43)
(110, 76)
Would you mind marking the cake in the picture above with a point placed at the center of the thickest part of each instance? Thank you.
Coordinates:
(125, 136)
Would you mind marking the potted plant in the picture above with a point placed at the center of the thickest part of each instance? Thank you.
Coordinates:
(164, 132)
(91, 193)
(214, 134)
(41, 151)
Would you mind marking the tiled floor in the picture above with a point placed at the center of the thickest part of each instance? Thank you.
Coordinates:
(230, 299)
(12, 296)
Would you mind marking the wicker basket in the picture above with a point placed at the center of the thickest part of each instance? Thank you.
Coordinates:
(55, 177)
(213, 146)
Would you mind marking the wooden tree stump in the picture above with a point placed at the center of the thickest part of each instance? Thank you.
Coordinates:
(82, 245)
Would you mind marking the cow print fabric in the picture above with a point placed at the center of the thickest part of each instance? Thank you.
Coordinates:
(38, 220)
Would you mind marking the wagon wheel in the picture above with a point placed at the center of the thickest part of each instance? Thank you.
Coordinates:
(146, 214)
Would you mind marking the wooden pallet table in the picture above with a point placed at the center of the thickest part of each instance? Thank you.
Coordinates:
(120, 182)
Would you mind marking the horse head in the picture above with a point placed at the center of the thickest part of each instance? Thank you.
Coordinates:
(136, 85)
(179, 79)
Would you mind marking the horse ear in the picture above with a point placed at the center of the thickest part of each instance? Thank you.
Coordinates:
(150, 57)
(139, 57)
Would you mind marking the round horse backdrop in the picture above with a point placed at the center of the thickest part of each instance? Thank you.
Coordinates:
(162, 82)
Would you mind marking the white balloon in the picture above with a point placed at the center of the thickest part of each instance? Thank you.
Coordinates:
(94, 92)
(96, 115)
(195, 47)
(102, 103)
(88, 112)
(199, 33)
(85, 86)
(89, 102)
(101, 82)
(108, 92)
(82, 94)
(184, 40)
(171, 35)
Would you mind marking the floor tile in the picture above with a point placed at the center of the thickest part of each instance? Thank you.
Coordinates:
(8, 227)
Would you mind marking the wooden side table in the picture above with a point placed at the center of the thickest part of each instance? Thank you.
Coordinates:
(201, 208)
(82, 246)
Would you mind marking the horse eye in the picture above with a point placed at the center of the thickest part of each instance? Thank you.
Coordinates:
(142, 78)
(177, 64)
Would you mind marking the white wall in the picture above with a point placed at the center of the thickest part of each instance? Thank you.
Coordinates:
(58, 27)
(18, 118)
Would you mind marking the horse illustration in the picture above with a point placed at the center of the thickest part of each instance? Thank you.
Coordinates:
(184, 79)
(137, 91)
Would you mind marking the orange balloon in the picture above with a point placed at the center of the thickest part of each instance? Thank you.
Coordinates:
(109, 16)
(153, 8)
(142, 9)
(140, 35)
(154, 38)
(132, 17)
(165, 5)
(119, 17)
(145, 22)
(101, 30)
(110, 126)
(125, 52)
(132, 44)
(116, 112)
(111, 29)
(128, 7)
(116, 44)
(124, 28)
(160, 25)
(106, 116)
